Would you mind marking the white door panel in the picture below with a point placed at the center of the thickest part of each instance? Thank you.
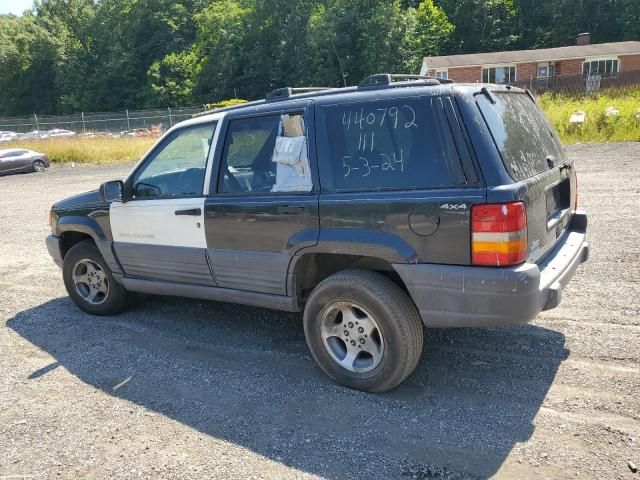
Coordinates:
(154, 222)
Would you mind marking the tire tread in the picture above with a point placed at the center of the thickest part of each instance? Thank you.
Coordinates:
(394, 299)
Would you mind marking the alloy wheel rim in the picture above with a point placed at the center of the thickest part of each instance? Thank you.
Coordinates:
(90, 281)
(352, 337)
(38, 166)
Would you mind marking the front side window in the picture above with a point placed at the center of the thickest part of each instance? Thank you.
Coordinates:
(602, 67)
(389, 144)
(265, 154)
(177, 167)
(500, 75)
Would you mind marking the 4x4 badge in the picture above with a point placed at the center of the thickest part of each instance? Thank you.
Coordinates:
(453, 206)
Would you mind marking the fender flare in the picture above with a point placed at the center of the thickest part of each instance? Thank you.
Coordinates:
(75, 223)
(357, 242)
(89, 226)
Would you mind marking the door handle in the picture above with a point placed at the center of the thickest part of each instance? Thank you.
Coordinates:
(196, 212)
(290, 210)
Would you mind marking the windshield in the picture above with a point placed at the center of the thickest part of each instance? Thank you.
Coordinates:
(522, 134)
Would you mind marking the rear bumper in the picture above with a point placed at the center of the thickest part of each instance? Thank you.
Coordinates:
(456, 296)
(53, 245)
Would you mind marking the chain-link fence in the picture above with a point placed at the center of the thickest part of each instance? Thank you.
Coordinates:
(578, 85)
(113, 122)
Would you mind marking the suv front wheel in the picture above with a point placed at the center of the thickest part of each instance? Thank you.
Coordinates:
(89, 281)
(363, 330)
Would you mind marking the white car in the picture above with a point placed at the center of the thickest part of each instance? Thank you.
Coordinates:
(34, 134)
(8, 136)
(58, 132)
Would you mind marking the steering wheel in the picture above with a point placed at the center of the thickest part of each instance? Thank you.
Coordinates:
(148, 190)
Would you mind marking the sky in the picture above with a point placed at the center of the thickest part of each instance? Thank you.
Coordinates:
(15, 6)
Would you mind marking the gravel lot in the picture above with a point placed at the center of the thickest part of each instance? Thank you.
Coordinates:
(180, 388)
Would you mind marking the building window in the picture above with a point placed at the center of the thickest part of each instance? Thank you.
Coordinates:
(442, 73)
(605, 67)
(546, 70)
(502, 74)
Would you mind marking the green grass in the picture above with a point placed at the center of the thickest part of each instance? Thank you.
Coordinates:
(88, 150)
(597, 128)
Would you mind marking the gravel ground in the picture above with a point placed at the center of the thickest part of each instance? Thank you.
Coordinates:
(180, 388)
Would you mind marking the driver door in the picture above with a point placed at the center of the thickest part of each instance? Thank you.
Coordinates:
(159, 233)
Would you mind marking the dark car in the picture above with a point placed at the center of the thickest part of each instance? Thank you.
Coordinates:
(21, 160)
(374, 209)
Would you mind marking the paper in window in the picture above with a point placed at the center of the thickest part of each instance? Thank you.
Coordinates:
(290, 153)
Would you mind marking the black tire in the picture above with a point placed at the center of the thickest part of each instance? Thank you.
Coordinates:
(38, 166)
(395, 314)
(114, 302)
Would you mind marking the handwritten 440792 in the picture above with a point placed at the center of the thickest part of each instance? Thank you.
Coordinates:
(372, 154)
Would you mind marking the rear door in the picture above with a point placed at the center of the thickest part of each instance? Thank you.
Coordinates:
(12, 160)
(263, 205)
(534, 158)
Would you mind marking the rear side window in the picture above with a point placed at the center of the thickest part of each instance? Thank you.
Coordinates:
(266, 154)
(401, 143)
(522, 134)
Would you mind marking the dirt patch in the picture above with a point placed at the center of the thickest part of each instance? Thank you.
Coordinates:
(180, 388)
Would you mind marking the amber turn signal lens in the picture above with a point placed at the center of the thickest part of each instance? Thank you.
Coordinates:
(499, 234)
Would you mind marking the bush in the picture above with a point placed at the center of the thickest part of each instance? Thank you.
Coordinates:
(225, 103)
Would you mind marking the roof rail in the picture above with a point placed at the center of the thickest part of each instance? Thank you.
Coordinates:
(286, 92)
(386, 79)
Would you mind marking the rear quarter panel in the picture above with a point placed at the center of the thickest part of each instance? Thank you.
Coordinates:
(422, 225)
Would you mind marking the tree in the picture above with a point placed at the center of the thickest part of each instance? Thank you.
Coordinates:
(630, 19)
(71, 55)
(220, 42)
(354, 39)
(27, 66)
(482, 25)
(433, 33)
(172, 80)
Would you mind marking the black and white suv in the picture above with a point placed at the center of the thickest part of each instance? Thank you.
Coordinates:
(374, 209)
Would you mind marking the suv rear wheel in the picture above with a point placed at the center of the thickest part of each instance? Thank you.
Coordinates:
(363, 330)
(89, 281)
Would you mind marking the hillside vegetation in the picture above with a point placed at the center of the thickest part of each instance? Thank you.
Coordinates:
(68, 56)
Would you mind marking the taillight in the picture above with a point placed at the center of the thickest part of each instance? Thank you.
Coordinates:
(499, 234)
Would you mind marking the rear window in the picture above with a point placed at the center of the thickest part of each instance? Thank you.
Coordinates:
(390, 144)
(522, 134)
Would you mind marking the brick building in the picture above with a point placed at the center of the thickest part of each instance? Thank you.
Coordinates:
(584, 59)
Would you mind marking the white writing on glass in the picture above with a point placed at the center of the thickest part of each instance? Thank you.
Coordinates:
(378, 118)
(389, 163)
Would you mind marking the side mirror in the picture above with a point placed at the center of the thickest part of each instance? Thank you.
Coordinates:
(112, 191)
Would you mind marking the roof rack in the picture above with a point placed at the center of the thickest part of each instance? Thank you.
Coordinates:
(386, 79)
(286, 92)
